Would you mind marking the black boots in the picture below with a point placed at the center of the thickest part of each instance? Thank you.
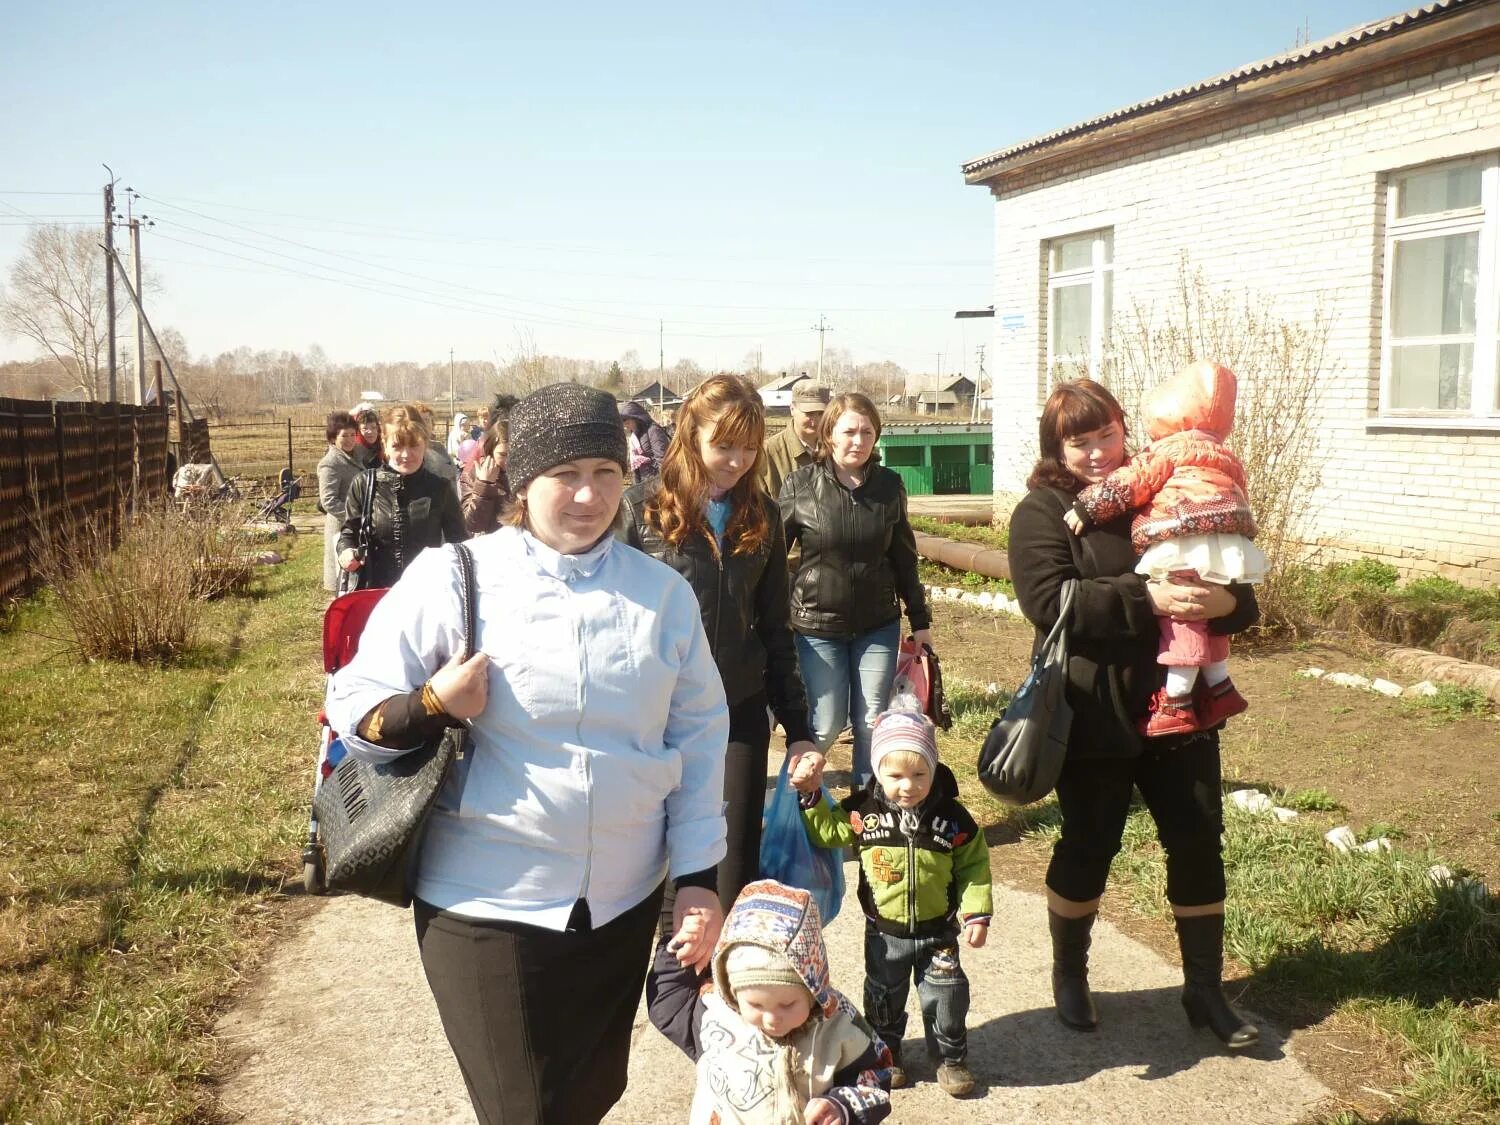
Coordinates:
(1070, 970)
(1201, 939)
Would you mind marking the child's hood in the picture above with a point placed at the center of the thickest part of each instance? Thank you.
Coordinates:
(784, 920)
(1199, 397)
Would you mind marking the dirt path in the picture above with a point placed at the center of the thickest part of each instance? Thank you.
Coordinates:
(340, 1028)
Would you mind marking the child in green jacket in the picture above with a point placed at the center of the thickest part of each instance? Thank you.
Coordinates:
(924, 880)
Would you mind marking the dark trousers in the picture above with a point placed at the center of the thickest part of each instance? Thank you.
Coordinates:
(1179, 781)
(744, 795)
(539, 1020)
(891, 964)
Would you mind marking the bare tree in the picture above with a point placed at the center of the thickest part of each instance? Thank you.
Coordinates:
(56, 300)
(1282, 367)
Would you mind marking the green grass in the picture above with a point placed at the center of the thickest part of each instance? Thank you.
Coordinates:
(1310, 800)
(1367, 935)
(1450, 704)
(996, 538)
(936, 574)
(148, 815)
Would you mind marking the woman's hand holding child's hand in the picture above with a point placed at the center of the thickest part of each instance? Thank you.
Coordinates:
(1074, 521)
(975, 933)
(463, 686)
(805, 767)
(822, 1111)
(696, 921)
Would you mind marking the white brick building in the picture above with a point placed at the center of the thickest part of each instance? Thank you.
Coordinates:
(1362, 171)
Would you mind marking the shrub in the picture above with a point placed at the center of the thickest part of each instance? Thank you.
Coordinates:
(140, 600)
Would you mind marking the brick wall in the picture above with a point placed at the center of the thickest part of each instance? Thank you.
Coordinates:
(1291, 208)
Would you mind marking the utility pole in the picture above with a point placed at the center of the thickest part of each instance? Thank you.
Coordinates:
(937, 391)
(976, 411)
(661, 366)
(109, 276)
(140, 322)
(452, 394)
(821, 329)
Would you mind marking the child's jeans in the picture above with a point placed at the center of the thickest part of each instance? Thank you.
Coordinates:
(890, 965)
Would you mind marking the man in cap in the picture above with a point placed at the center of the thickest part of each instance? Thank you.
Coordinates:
(794, 446)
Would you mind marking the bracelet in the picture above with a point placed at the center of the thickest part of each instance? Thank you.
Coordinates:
(430, 701)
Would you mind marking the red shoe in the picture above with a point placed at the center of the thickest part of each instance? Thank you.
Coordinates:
(1169, 716)
(1219, 702)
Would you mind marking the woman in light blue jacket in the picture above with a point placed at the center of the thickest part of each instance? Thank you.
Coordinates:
(599, 727)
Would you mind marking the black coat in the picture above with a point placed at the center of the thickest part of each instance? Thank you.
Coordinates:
(743, 599)
(1112, 668)
(858, 552)
(410, 513)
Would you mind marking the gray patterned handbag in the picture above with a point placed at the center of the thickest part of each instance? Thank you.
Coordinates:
(371, 817)
(1023, 754)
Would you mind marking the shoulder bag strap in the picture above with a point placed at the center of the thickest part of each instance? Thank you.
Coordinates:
(467, 597)
(367, 511)
(1057, 637)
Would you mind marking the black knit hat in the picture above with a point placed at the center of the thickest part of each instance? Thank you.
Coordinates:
(560, 423)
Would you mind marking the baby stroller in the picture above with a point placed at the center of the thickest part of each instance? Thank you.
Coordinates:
(343, 622)
(278, 507)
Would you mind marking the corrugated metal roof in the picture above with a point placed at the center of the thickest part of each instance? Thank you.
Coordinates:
(1376, 29)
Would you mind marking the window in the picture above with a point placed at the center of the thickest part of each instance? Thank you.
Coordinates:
(1442, 303)
(1080, 303)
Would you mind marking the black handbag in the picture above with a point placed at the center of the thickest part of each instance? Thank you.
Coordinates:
(372, 816)
(1022, 756)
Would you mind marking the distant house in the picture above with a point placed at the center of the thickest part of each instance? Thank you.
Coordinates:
(777, 394)
(656, 394)
(956, 397)
(1357, 178)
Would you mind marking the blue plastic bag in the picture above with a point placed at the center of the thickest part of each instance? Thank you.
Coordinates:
(788, 856)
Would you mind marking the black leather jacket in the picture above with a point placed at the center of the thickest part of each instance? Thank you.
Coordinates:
(743, 599)
(858, 553)
(409, 514)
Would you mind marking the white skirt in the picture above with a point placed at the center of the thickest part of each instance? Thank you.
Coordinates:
(1217, 558)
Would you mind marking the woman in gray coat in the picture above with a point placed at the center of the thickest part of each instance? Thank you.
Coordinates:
(336, 471)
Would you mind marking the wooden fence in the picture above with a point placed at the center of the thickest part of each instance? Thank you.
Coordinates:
(71, 460)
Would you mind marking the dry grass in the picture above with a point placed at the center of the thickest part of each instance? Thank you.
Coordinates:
(148, 814)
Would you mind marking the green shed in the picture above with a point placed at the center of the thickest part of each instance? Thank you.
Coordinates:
(940, 458)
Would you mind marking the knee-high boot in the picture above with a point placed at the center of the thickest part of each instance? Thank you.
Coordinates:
(1201, 939)
(1070, 970)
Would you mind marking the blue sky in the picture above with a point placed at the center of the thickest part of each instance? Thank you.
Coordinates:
(480, 176)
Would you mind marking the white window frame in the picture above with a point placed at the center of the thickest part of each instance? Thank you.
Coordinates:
(1483, 411)
(1101, 265)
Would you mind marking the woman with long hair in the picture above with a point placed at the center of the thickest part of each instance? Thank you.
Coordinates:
(484, 490)
(705, 516)
(859, 564)
(1112, 673)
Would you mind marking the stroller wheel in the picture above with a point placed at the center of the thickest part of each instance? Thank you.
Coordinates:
(312, 877)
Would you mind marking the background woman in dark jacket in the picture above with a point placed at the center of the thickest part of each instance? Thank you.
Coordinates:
(707, 518)
(859, 563)
(413, 509)
(1112, 672)
(336, 472)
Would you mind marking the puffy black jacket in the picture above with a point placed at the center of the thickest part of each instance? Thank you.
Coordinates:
(743, 599)
(858, 552)
(410, 513)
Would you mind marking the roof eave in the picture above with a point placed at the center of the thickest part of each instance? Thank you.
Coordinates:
(1264, 88)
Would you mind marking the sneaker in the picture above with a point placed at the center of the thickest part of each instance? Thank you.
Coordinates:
(1169, 716)
(955, 1079)
(1219, 702)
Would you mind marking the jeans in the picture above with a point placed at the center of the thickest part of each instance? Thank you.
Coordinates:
(890, 965)
(849, 678)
